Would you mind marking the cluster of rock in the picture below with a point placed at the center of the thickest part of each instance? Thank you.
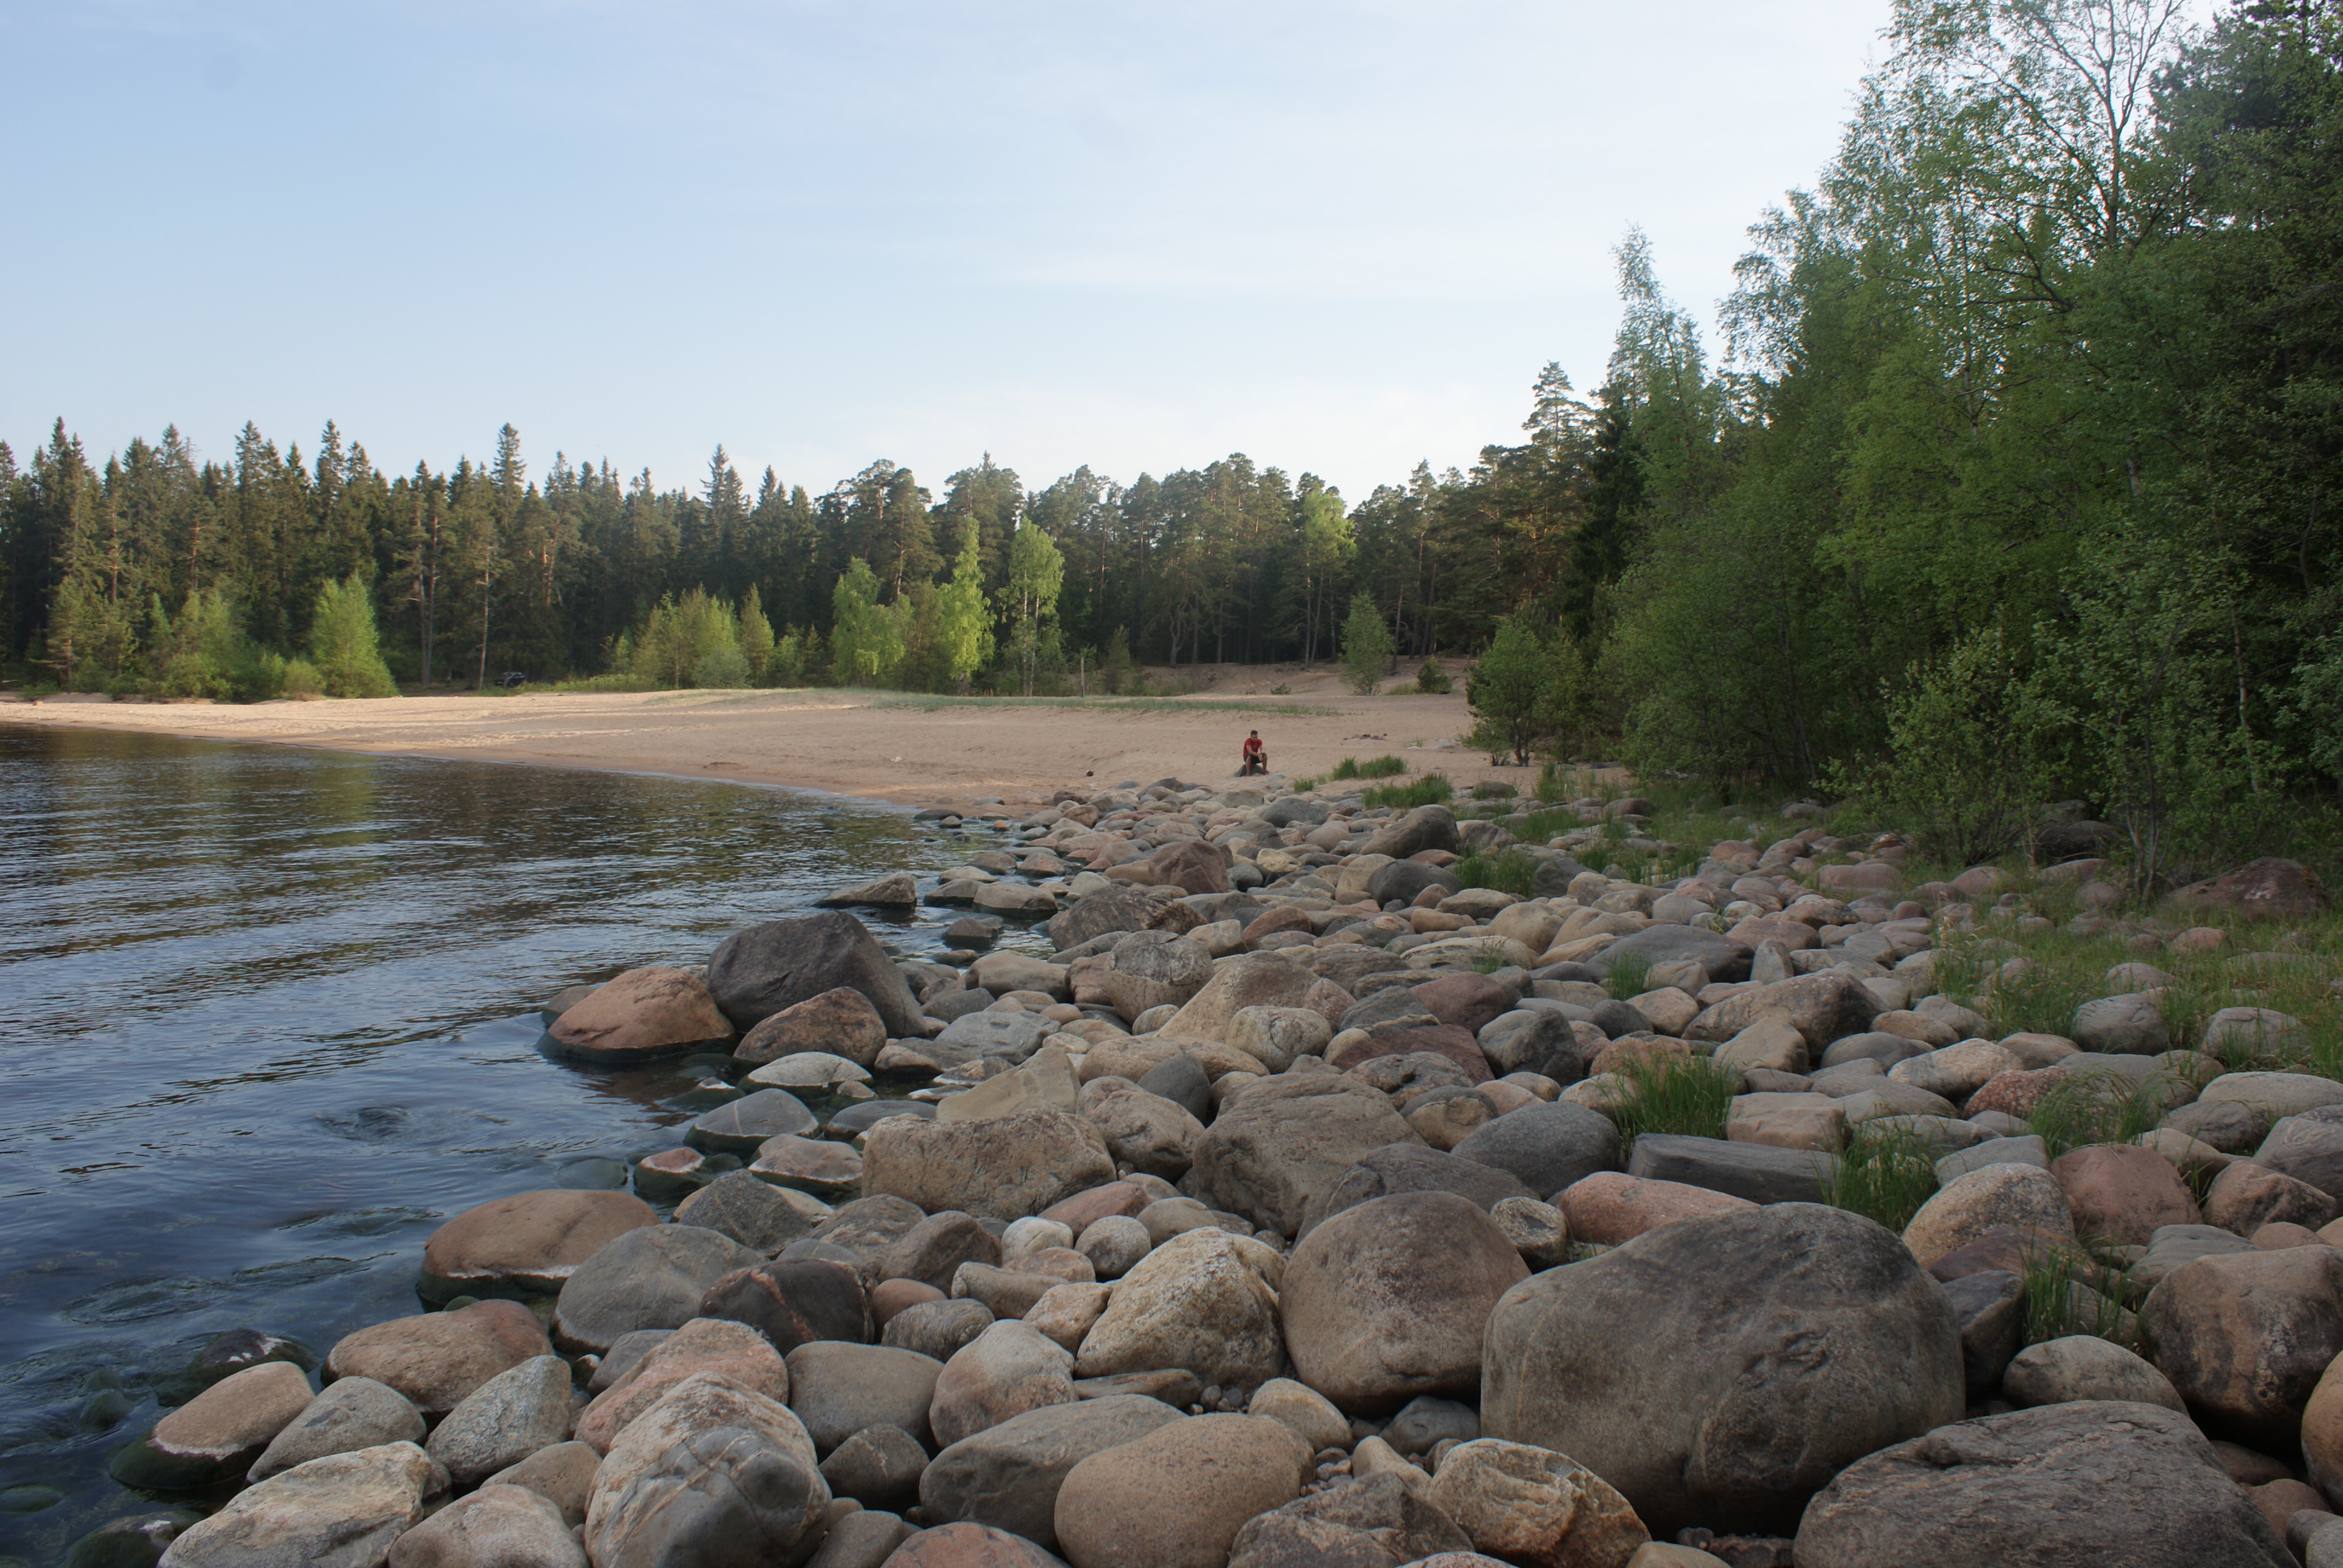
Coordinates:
(1280, 1217)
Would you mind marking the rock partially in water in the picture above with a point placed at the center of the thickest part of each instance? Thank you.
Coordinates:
(226, 1354)
(527, 1243)
(838, 1022)
(436, 1358)
(640, 1016)
(217, 1435)
(340, 1511)
(134, 1541)
(827, 1169)
(741, 1125)
(817, 1071)
(757, 972)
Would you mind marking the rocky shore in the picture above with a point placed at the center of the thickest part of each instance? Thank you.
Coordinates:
(1306, 1206)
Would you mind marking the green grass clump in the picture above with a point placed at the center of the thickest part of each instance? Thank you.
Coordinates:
(1629, 974)
(1685, 1094)
(2100, 1108)
(1431, 789)
(1883, 1175)
(1492, 789)
(1509, 871)
(2059, 1303)
(1373, 767)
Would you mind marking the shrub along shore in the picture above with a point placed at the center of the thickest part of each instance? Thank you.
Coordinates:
(1382, 1183)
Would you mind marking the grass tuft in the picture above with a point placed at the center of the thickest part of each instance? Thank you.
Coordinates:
(2059, 1303)
(2100, 1108)
(1429, 791)
(1883, 1174)
(1509, 871)
(1373, 767)
(1629, 974)
(1691, 1095)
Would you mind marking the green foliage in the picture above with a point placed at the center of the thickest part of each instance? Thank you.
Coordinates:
(1964, 741)
(301, 679)
(1883, 1175)
(1628, 974)
(1675, 1094)
(1037, 576)
(964, 623)
(1373, 768)
(864, 644)
(721, 668)
(757, 646)
(1509, 871)
(680, 641)
(343, 646)
(1506, 689)
(1366, 645)
(1431, 681)
(2067, 1294)
(1429, 791)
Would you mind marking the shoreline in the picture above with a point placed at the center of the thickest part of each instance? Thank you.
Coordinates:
(885, 748)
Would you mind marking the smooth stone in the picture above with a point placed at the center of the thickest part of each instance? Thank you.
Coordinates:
(878, 1467)
(508, 1526)
(712, 1473)
(504, 1421)
(1007, 1476)
(1179, 1494)
(436, 1358)
(651, 1278)
(343, 1510)
(743, 1124)
(350, 1414)
(837, 1390)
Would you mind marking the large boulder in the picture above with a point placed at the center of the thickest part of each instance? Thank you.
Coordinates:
(2123, 1192)
(1725, 1407)
(2308, 1147)
(343, 1510)
(1145, 1131)
(525, 1244)
(793, 1301)
(640, 1016)
(2125, 1025)
(838, 1388)
(2076, 1367)
(217, 1435)
(1719, 955)
(1546, 1147)
(1821, 1007)
(1531, 1505)
(757, 972)
(839, 1021)
(1386, 1301)
(2245, 1337)
(1275, 1147)
(1155, 968)
(652, 1278)
(2267, 890)
(504, 1421)
(1176, 1497)
(1191, 865)
(733, 1350)
(715, 1475)
(2021, 1198)
(1004, 1167)
(1412, 1167)
(436, 1358)
(1205, 1300)
(2058, 1486)
(1009, 1369)
(1118, 910)
(353, 1413)
(1007, 1476)
(1240, 982)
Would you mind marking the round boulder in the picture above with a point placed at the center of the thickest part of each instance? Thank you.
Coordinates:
(793, 1302)
(651, 1278)
(712, 1473)
(528, 1243)
(840, 1021)
(2245, 1337)
(640, 1016)
(2021, 1198)
(1723, 1406)
(1387, 1301)
(1177, 1496)
(437, 1358)
(1205, 1300)
(1003, 1168)
(1547, 1147)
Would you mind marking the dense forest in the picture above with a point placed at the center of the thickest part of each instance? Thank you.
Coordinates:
(2029, 423)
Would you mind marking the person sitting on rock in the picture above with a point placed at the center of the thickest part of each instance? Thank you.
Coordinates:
(1254, 760)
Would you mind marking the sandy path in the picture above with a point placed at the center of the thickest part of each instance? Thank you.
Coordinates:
(859, 743)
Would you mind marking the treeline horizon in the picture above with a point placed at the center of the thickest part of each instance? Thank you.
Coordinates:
(2027, 429)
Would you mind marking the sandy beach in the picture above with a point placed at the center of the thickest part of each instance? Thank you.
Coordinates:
(885, 746)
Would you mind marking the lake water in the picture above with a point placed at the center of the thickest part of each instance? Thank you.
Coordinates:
(266, 1019)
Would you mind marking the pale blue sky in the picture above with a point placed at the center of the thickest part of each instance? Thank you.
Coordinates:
(1338, 238)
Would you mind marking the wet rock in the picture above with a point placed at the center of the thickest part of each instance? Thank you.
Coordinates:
(896, 889)
(757, 972)
(2245, 1337)
(504, 1421)
(1386, 1301)
(134, 1541)
(938, 1329)
(717, 1345)
(1376, 1521)
(1179, 1494)
(495, 1527)
(227, 1354)
(1546, 1147)
(743, 1126)
(1007, 1476)
(2082, 1367)
(343, 1510)
(1009, 1369)
(353, 1413)
(1710, 1406)
(1533, 1506)
(436, 1358)
(217, 1435)
(808, 1069)
(528, 1243)
(829, 1171)
(2019, 1197)
(2063, 1485)
(838, 1389)
(1002, 1169)
(793, 1303)
(651, 1278)
(1269, 1151)
(1757, 1171)
(839, 1021)
(1203, 1301)
(712, 1474)
(751, 1211)
(640, 1016)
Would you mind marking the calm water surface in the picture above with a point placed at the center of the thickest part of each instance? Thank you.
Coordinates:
(266, 1018)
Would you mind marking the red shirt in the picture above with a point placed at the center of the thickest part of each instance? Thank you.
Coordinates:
(1253, 746)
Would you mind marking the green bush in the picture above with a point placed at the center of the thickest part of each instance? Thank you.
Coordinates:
(721, 668)
(345, 653)
(1433, 682)
(1373, 768)
(1429, 791)
(300, 679)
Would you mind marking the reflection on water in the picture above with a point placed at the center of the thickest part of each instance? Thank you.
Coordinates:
(263, 1024)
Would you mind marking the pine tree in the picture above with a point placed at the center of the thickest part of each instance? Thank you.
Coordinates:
(964, 623)
(1366, 645)
(343, 643)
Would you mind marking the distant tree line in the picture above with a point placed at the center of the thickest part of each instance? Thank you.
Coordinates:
(2038, 391)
